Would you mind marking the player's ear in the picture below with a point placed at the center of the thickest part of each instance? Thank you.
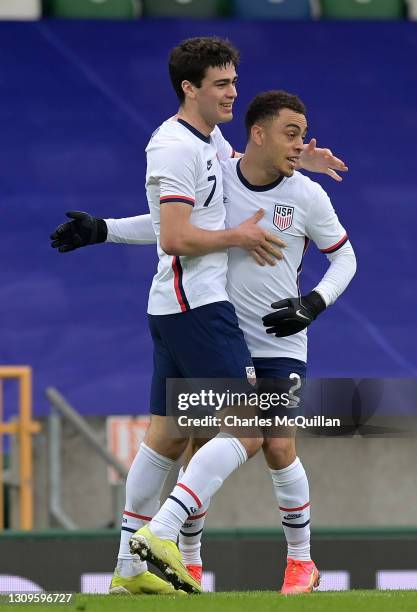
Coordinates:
(257, 135)
(188, 89)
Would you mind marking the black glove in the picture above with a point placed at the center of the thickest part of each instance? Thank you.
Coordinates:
(83, 230)
(293, 314)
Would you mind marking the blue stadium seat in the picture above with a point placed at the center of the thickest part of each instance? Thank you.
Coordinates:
(362, 9)
(204, 9)
(272, 9)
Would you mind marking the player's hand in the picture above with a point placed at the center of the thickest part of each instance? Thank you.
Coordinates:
(268, 253)
(84, 229)
(292, 315)
(261, 244)
(321, 160)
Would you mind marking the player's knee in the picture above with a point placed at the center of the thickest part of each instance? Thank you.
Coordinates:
(161, 438)
(252, 445)
(279, 452)
(172, 449)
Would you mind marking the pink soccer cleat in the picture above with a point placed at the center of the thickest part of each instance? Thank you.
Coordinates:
(196, 571)
(300, 577)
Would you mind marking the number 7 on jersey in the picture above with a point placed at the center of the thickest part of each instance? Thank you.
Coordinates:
(213, 189)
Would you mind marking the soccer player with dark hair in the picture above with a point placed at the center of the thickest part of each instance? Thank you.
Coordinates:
(299, 210)
(188, 297)
(192, 58)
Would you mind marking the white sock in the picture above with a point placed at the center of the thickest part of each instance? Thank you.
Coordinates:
(144, 484)
(191, 533)
(292, 492)
(204, 476)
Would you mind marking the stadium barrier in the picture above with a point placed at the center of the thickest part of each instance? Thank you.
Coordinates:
(60, 409)
(23, 428)
(386, 561)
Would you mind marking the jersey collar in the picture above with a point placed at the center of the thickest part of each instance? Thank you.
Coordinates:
(194, 131)
(256, 187)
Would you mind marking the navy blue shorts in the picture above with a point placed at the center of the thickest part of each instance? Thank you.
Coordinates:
(204, 342)
(273, 375)
(278, 367)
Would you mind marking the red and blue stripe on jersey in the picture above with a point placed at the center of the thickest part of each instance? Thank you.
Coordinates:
(300, 267)
(335, 247)
(177, 198)
(178, 286)
(176, 262)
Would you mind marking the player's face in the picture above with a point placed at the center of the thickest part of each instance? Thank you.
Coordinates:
(217, 94)
(283, 141)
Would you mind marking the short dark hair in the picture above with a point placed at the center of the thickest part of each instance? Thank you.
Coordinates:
(266, 106)
(191, 58)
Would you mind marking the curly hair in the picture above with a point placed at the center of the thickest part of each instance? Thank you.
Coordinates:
(267, 105)
(191, 58)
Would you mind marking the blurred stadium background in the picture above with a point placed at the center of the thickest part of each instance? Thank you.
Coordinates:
(83, 85)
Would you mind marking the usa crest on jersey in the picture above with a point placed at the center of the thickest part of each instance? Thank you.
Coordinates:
(283, 216)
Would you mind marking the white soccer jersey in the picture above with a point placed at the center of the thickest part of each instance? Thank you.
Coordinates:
(183, 166)
(296, 210)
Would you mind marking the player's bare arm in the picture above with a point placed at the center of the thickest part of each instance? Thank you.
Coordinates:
(180, 237)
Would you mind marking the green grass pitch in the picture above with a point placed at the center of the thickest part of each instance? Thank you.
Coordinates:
(266, 601)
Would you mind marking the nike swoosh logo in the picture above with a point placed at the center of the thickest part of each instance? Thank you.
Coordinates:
(298, 313)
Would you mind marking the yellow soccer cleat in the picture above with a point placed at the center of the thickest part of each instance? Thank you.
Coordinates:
(145, 583)
(164, 554)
